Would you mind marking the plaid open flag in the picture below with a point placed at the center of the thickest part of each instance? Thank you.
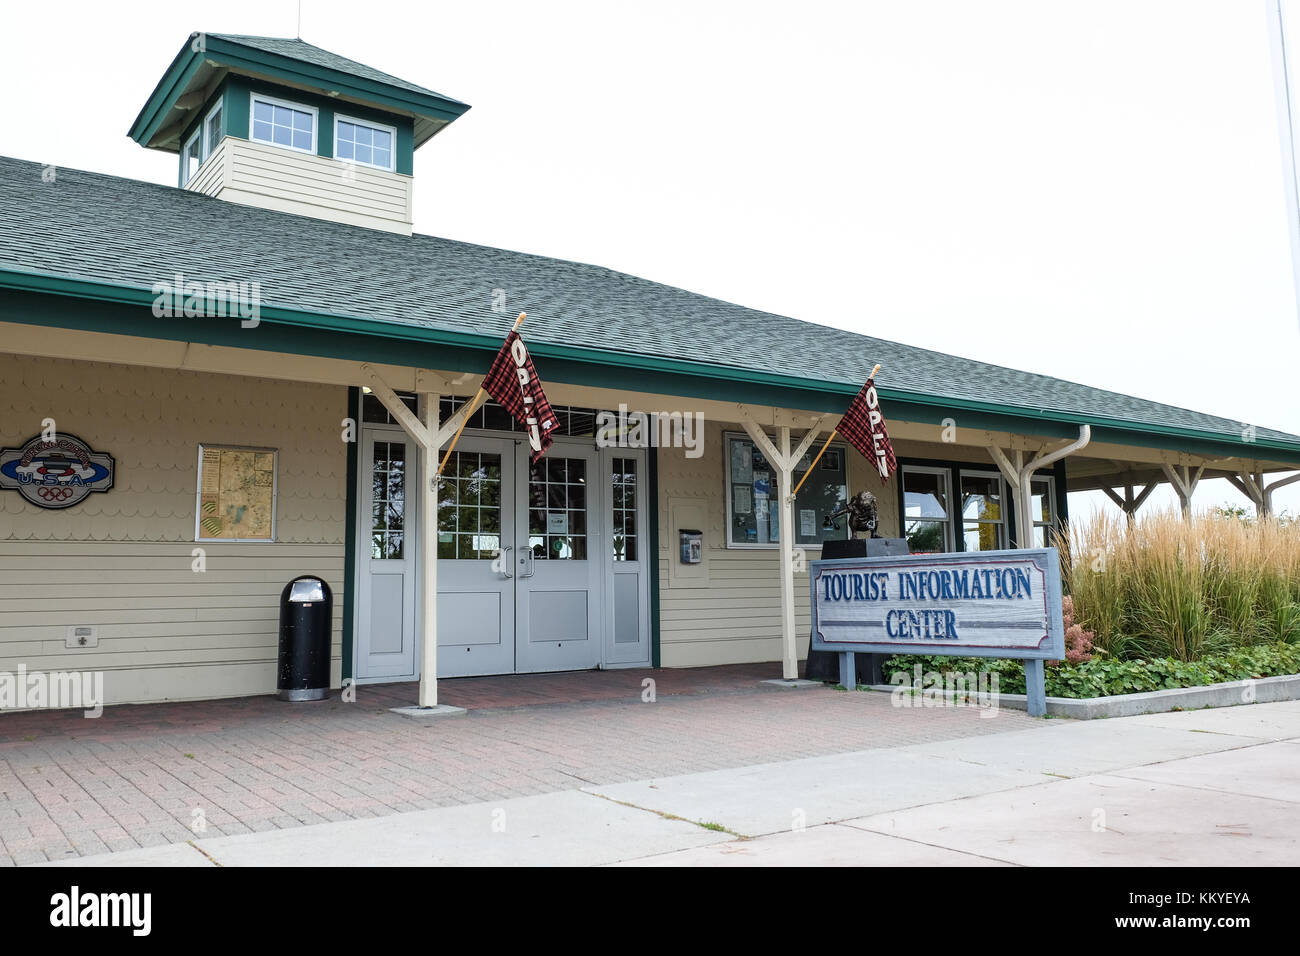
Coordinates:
(863, 425)
(512, 381)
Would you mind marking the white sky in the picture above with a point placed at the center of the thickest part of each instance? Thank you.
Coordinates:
(1089, 190)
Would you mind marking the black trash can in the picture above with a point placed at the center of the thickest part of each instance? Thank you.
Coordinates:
(306, 612)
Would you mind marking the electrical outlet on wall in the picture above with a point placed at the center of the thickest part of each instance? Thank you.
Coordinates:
(82, 636)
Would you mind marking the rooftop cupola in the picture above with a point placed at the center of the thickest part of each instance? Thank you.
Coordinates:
(285, 125)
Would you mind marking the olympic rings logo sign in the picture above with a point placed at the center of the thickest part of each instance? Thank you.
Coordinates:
(55, 472)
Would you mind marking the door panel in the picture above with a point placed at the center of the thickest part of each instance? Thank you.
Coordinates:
(627, 603)
(557, 616)
(386, 637)
(476, 587)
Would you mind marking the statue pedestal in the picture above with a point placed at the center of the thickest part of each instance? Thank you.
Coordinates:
(825, 665)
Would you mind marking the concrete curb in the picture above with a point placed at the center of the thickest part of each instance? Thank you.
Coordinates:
(1228, 694)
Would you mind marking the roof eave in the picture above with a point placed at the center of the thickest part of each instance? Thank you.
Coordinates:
(123, 294)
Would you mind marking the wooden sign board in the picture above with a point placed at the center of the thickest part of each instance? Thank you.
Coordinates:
(978, 604)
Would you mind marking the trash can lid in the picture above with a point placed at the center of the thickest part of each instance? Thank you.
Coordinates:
(307, 591)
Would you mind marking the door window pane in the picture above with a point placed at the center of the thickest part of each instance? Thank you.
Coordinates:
(623, 496)
(388, 504)
(557, 508)
(469, 507)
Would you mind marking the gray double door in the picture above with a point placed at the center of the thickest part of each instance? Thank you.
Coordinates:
(521, 564)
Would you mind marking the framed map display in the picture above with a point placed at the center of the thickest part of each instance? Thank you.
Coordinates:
(236, 496)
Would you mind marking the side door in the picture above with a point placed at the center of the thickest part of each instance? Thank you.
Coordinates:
(626, 557)
(386, 636)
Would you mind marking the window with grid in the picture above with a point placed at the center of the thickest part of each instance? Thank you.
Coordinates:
(388, 501)
(623, 496)
(191, 158)
(1043, 507)
(363, 143)
(374, 412)
(573, 421)
(284, 124)
(983, 518)
(469, 507)
(212, 131)
(557, 508)
(927, 520)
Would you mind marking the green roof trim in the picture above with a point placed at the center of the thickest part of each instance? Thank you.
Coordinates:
(349, 292)
(292, 62)
(459, 351)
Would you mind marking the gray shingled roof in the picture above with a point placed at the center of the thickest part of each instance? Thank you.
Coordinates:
(306, 52)
(92, 226)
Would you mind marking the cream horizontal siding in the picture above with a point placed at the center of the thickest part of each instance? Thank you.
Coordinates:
(121, 561)
(211, 176)
(311, 185)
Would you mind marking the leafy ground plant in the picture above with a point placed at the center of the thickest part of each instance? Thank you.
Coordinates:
(1105, 676)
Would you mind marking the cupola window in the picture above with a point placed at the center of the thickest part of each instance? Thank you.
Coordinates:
(191, 157)
(279, 123)
(212, 132)
(368, 144)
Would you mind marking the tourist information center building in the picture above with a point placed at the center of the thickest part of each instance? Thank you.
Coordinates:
(208, 389)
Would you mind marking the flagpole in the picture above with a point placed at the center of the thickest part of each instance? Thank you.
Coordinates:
(825, 445)
(472, 406)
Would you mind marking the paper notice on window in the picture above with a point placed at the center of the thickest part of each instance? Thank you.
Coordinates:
(743, 499)
(807, 522)
(742, 462)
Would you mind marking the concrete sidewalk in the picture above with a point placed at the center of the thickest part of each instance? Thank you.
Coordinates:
(1197, 788)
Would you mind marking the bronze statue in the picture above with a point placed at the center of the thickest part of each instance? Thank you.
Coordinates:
(861, 510)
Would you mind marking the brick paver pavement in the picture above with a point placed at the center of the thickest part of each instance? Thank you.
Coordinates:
(142, 775)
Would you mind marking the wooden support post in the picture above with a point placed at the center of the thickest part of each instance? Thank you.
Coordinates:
(784, 460)
(1252, 486)
(429, 556)
(1130, 503)
(790, 659)
(1184, 484)
(429, 436)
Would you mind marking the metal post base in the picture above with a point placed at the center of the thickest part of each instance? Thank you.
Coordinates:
(310, 693)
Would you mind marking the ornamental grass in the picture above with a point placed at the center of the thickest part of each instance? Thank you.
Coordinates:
(1168, 587)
